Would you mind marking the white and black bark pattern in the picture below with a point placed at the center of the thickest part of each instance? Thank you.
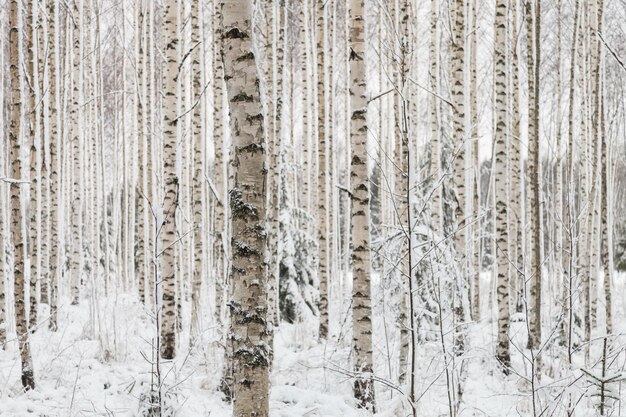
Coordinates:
(18, 238)
(76, 135)
(251, 334)
(323, 224)
(533, 23)
(55, 163)
(167, 234)
(475, 120)
(33, 249)
(402, 184)
(198, 168)
(141, 193)
(605, 215)
(360, 212)
(219, 176)
(502, 287)
(606, 206)
(458, 123)
(460, 171)
(515, 213)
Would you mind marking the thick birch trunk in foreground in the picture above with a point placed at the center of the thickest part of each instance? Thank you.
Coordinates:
(18, 238)
(167, 234)
(502, 349)
(251, 334)
(360, 214)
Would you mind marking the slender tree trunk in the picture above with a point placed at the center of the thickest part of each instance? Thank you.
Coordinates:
(33, 245)
(568, 212)
(559, 218)
(275, 133)
(502, 350)
(76, 134)
(402, 184)
(533, 23)
(18, 238)
(605, 215)
(516, 167)
(167, 234)
(460, 171)
(219, 173)
(251, 335)
(435, 151)
(322, 169)
(142, 193)
(55, 161)
(475, 120)
(198, 171)
(360, 214)
(46, 104)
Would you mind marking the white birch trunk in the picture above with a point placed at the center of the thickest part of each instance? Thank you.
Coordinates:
(251, 334)
(360, 212)
(167, 234)
(501, 119)
(18, 238)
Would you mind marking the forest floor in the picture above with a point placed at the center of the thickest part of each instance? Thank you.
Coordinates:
(111, 375)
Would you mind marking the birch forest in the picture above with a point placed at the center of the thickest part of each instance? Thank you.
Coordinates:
(297, 208)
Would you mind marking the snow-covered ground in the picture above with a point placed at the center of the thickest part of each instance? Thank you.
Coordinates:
(111, 375)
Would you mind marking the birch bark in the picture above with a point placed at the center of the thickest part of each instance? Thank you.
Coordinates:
(251, 334)
(360, 212)
(167, 234)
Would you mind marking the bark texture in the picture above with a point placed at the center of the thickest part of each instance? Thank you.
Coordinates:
(360, 212)
(167, 234)
(502, 247)
(251, 332)
(533, 23)
(18, 238)
(322, 169)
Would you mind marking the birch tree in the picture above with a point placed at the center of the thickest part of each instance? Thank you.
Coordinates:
(198, 174)
(18, 238)
(76, 134)
(502, 349)
(322, 169)
(533, 25)
(55, 149)
(33, 230)
(167, 234)
(360, 213)
(250, 331)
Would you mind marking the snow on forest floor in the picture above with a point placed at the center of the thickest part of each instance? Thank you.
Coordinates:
(79, 375)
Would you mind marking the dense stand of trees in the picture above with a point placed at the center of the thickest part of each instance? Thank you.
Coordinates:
(273, 161)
